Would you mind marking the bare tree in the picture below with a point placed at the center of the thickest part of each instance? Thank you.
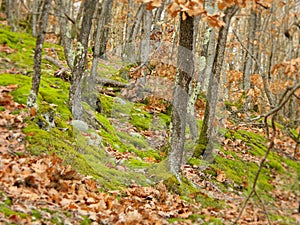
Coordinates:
(213, 87)
(80, 60)
(101, 35)
(185, 72)
(31, 101)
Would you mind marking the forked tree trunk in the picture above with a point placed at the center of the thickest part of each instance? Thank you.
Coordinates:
(81, 60)
(31, 101)
(213, 87)
(185, 66)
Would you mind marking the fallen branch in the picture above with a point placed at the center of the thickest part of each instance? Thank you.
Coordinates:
(55, 62)
(114, 83)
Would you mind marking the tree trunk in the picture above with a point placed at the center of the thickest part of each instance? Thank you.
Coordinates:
(12, 14)
(35, 13)
(145, 41)
(99, 50)
(66, 31)
(81, 60)
(106, 15)
(212, 92)
(129, 52)
(248, 58)
(185, 65)
(31, 101)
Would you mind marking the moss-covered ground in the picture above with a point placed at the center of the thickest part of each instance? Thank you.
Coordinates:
(116, 158)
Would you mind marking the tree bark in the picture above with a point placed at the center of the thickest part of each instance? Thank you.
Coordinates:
(81, 60)
(129, 52)
(212, 92)
(12, 14)
(145, 41)
(185, 65)
(66, 31)
(248, 59)
(101, 36)
(31, 101)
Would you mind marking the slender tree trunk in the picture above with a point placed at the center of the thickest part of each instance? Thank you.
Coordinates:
(81, 60)
(107, 7)
(35, 13)
(31, 101)
(89, 95)
(181, 93)
(129, 52)
(12, 14)
(248, 60)
(212, 92)
(145, 41)
(66, 31)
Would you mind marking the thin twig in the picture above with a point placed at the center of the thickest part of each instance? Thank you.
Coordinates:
(283, 102)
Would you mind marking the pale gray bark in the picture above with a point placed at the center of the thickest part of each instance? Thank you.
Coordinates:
(35, 13)
(99, 51)
(181, 94)
(145, 41)
(248, 59)
(12, 14)
(129, 51)
(81, 60)
(66, 31)
(213, 87)
(31, 101)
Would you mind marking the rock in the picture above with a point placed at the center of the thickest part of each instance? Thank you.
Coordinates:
(80, 125)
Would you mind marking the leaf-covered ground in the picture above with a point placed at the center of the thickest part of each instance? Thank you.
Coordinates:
(116, 174)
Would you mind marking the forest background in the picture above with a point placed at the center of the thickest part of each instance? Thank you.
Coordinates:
(190, 94)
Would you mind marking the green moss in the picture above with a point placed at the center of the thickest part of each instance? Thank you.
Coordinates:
(24, 46)
(276, 165)
(24, 84)
(105, 69)
(86, 221)
(140, 119)
(278, 219)
(2, 108)
(36, 214)
(9, 212)
(137, 163)
(8, 201)
(107, 103)
(135, 139)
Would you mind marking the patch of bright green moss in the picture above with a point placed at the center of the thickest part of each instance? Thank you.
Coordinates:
(140, 119)
(137, 163)
(137, 141)
(9, 212)
(278, 219)
(36, 214)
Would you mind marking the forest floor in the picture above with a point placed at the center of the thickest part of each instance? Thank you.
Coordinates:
(115, 174)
